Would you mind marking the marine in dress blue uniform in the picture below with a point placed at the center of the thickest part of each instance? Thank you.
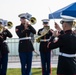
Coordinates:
(25, 45)
(44, 52)
(4, 50)
(67, 44)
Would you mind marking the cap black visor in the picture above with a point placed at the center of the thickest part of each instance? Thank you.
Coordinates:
(45, 22)
(22, 17)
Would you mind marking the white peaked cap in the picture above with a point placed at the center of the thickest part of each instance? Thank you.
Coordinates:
(22, 15)
(5, 22)
(25, 15)
(67, 19)
(45, 20)
(28, 16)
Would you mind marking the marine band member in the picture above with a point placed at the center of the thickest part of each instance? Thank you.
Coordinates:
(4, 49)
(67, 45)
(45, 54)
(26, 48)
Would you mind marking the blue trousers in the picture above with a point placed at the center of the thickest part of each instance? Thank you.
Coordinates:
(45, 62)
(3, 64)
(26, 62)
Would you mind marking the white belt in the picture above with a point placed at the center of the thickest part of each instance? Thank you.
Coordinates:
(67, 55)
(44, 40)
(25, 38)
(5, 41)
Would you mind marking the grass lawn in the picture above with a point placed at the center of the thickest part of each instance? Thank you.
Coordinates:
(35, 71)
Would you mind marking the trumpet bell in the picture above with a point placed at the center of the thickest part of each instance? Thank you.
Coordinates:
(74, 23)
(33, 20)
(9, 24)
(1, 29)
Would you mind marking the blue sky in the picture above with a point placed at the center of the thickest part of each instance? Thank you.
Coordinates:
(10, 9)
